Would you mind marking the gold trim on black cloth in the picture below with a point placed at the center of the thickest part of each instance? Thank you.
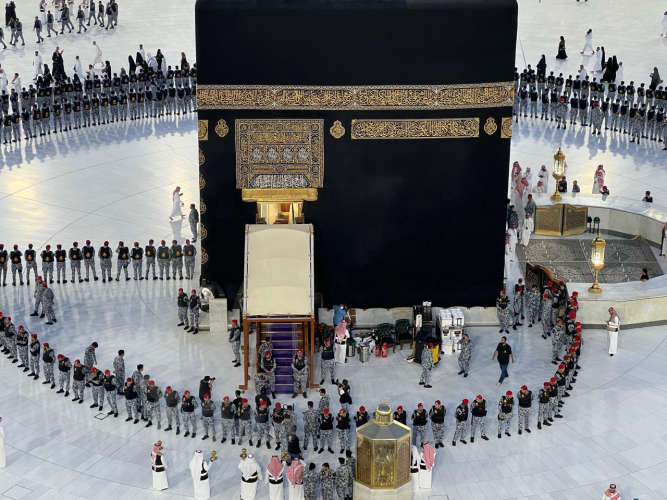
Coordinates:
(436, 128)
(506, 128)
(202, 130)
(490, 126)
(202, 158)
(355, 97)
(221, 128)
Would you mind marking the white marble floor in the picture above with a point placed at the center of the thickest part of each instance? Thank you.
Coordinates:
(116, 184)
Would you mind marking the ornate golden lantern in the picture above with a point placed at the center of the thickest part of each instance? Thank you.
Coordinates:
(383, 452)
(558, 172)
(597, 261)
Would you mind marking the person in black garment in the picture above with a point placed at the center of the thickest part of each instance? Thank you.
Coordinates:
(504, 354)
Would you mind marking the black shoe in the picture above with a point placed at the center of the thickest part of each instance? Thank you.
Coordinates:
(420, 383)
(205, 437)
(519, 432)
(180, 324)
(500, 436)
(80, 401)
(178, 430)
(60, 391)
(187, 433)
(472, 439)
(485, 438)
(193, 435)
(110, 412)
(294, 395)
(136, 421)
(128, 419)
(93, 405)
(150, 423)
(464, 376)
(67, 394)
(277, 446)
(539, 425)
(453, 443)
(558, 416)
(426, 386)
(268, 445)
(460, 373)
(320, 450)
(527, 430)
(45, 382)
(508, 434)
(305, 395)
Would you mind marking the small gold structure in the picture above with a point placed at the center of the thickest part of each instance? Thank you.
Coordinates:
(337, 130)
(558, 173)
(214, 455)
(221, 128)
(597, 261)
(490, 126)
(383, 452)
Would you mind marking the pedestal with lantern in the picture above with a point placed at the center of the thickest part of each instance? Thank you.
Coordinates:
(558, 173)
(597, 261)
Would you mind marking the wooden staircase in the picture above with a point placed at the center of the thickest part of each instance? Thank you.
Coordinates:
(285, 339)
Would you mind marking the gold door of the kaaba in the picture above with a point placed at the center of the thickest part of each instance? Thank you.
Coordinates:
(561, 220)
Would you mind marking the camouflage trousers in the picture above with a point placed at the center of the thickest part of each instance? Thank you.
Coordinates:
(23, 355)
(111, 399)
(78, 387)
(154, 411)
(3, 272)
(343, 438)
(236, 349)
(278, 431)
(504, 422)
(17, 267)
(189, 267)
(301, 380)
(555, 348)
(75, 268)
(460, 431)
(553, 406)
(561, 392)
(328, 365)
(244, 428)
(30, 265)
(189, 420)
(172, 414)
(228, 428)
(177, 265)
(524, 417)
(478, 422)
(194, 317)
(438, 432)
(163, 266)
(532, 315)
(418, 434)
(131, 407)
(105, 265)
(309, 434)
(63, 381)
(150, 263)
(60, 271)
(209, 424)
(89, 264)
(48, 373)
(122, 266)
(543, 412)
(183, 315)
(136, 269)
(34, 364)
(98, 395)
(326, 437)
(464, 364)
(47, 269)
(504, 318)
(425, 377)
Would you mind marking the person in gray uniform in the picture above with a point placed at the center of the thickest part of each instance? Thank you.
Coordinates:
(208, 416)
(149, 255)
(194, 304)
(171, 402)
(22, 348)
(561, 113)
(123, 256)
(119, 370)
(235, 339)
(78, 381)
(533, 304)
(49, 359)
(300, 373)
(176, 252)
(325, 431)
(34, 347)
(65, 21)
(596, 118)
(96, 381)
(89, 261)
(478, 411)
(465, 353)
(3, 264)
(505, 414)
(188, 410)
(75, 258)
(17, 265)
(64, 369)
(419, 423)
(163, 259)
(81, 17)
(153, 410)
(182, 303)
(193, 219)
(427, 366)
(190, 252)
(137, 255)
(105, 254)
(227, 415)
(109, 384)
(89, 360)
(47, 304)
(310, 426)
(30, 263)
(525, 400)
(437, 415)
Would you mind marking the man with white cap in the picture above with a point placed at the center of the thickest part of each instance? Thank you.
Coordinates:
(199, 472)
(250, 474)
(414, 467)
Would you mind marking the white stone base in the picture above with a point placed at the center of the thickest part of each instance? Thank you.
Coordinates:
(217, 312)
(405, 492)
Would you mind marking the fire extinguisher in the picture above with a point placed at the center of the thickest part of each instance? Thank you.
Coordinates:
(384, 350)
(378, 350)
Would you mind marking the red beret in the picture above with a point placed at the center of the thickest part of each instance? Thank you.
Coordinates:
(244, 400)
(546, 384)
(508, 393)
(277, 405)
(325, 411)
(553, 380)
(362, 409)
(479, 396)
(465, 401)
(524, 387)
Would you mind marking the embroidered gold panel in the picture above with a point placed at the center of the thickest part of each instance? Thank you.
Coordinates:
(368, 97)
(437, 128)
(221, 128)
(279, 153)
(506, 128)
(202, 130)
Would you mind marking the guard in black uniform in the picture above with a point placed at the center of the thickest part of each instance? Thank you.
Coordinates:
(30, 263)
(75, 258)
(123, 254)
(137, 256)
(17, 265)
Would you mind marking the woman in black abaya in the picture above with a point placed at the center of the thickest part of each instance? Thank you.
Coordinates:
(561, 49)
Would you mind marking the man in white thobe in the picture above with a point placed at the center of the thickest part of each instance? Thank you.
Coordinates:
(613, 327)
(426, 463)
(98, 55)
(250, 474)
(295, 479)
(77, 68)
(274, 478)
(527, 229)
(340, 346)
(199, 472)
(37, 64)
(3, 81)
(414, 467)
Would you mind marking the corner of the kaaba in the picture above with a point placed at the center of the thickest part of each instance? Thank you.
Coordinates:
(412, 199)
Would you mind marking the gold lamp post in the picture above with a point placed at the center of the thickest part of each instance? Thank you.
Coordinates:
(558, 172)
(597, 261)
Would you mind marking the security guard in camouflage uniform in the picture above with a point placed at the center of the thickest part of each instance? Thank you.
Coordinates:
(478, 411)
(21, 345)
(34, 347)
(465, 353)
(188, 411)
(153, 396)
(61, 257)
(245, 423)
(137, 257)
(97, 381)
(311, 480)
(149, 254)
(269, 367)
(505, 413)
(427, 366)
(105, 253)
(277, 419)
(300, 373)
(437, 415)
(109, 384)
(171, 402)
(342, 478)
(131, 396)
(3, 264)
(194, 303)
(533, 304)
(17, 265)
(64, 369)
(123, 255)
(556, 341)
(310, 426)
(461, 416)
(37, 294)
(182, 302)
(227, 414)
(525, 400)
(176, 259)
(190, 251)
(419, 421)
(163, 259)
(75, 261)
(30, 263)
(326, 428)
(262, 424)
(89, 261)
(235, 339)
(327, 363)
(343, 429)
(48, 358)
(503, 311)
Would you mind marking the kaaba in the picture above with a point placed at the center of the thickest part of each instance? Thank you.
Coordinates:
(389, 119)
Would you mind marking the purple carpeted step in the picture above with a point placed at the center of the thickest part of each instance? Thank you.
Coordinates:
(285, 344)
(282, 336)
(284, 379)
(284, 389)
(283, 361)
(284, 370)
